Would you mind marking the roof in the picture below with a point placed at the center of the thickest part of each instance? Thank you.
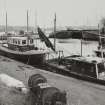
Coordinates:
(21, 38)
(89, 59)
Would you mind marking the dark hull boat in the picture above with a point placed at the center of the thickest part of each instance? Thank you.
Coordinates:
(32, 57)
(22, 48)
(90, 69)
(88, 35)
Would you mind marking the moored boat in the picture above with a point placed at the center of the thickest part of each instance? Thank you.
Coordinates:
(86, 68)
(22, 48)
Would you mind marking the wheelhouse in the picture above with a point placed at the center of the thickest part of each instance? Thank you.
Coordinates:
(20, 43)
(102, 43)
(100, 52)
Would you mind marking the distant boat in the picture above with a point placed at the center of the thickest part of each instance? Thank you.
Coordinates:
(76, 34)
(62, 34)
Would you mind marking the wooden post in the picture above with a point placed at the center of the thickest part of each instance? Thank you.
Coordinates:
(81, 43)
(100, 41)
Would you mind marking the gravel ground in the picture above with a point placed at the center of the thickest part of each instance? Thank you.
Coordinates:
(78, 92)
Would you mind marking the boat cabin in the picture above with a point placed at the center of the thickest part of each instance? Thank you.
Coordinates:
(100, 52)
(93, 67)
(102, 43)
(21, 43)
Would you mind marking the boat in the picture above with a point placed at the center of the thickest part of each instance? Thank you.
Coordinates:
(89, 35)
(88, 68)
(22, 48)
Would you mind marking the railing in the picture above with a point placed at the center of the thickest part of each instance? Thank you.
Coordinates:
(54, 55)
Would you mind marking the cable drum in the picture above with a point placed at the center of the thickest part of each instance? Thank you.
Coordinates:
(35, 80)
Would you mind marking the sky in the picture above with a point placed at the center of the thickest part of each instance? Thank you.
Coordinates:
(68, 12)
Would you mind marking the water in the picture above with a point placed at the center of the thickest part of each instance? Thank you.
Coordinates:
(72, 46)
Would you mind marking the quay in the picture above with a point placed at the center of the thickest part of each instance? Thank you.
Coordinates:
(78, 92)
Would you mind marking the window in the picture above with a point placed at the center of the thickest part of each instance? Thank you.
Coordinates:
(18, 41)
(90, 69)
(24, 42)
(13, 40)
(84, 68)
(101, 67)
(31, 41)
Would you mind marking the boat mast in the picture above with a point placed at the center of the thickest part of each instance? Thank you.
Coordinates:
(81, 41)
(36, 28)
(100, 41)
(35, 21)
(55, 32)
(6, 24)
(27, 22)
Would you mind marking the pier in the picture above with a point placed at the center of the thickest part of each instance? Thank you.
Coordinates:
(78, 92)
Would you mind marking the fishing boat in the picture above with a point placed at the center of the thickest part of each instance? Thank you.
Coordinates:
(86, 68)
(22, 47)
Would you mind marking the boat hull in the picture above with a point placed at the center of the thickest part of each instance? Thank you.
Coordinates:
(54, 67)
(32, 59)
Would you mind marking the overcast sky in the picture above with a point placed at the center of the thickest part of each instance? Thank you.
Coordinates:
(69, 12)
